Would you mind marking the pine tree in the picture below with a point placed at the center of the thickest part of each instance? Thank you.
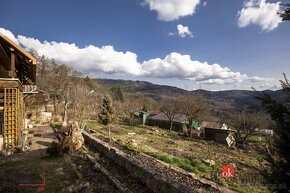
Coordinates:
(144, 108)
(117, 93)
(286, 14)
(280, 114)
(107, 114)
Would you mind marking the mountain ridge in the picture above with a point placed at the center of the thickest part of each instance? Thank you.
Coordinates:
(228, 99)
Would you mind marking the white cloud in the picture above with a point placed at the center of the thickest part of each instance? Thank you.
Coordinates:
(261, 13)
(259, 79)
(268, 86)
(171, 34)
(181, 66)
(169, 10)
(90, 58)
(204, 3)
(106, 59)
(183, 31)
(9, 34)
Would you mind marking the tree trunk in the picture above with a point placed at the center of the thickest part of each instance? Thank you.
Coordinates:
(54, 106)
(244, 139)
(131, 118)
(189, 129)
(64, 123)
(171, 124)
(109, 132)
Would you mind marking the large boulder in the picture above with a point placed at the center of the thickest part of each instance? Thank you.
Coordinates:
(75, 140)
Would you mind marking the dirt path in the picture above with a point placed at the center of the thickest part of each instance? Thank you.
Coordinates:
(42, 137)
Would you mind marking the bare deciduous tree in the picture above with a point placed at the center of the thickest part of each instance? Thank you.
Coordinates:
(170, 108)
(83, 103)
(130, 105)
(246, 124)
(195, 107)
(64, 77)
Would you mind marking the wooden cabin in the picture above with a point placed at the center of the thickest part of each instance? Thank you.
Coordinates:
(17, 69)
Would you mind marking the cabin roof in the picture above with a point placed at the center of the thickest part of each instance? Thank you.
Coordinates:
(177, 118)
(25, 64)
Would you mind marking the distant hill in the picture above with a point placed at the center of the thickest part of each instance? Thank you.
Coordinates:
(240, 99)
(142, 87)
(222, 100)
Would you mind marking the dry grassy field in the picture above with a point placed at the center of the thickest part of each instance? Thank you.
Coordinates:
(250, 166)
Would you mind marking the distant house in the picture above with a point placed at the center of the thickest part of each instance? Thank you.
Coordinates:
(218, 132)
(269, 132)
(162, 121)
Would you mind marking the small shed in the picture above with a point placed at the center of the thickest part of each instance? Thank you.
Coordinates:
(219, 133)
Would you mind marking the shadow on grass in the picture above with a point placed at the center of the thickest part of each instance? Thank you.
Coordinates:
(44, 143)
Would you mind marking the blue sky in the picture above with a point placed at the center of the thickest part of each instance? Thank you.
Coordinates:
(212, 45)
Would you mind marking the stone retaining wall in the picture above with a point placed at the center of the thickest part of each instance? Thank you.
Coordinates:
(154, 180)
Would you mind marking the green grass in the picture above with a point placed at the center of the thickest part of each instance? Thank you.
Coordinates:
(93, 124)
(256, 139)
(133, 148)
(195, 166)
(160, 156)
(55, 124)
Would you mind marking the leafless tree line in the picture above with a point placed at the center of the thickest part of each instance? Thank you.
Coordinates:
(72, 95)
